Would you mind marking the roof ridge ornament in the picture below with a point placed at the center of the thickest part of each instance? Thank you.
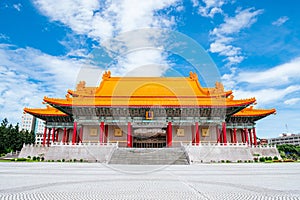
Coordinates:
(193, 76)
(106, 75)
(80, 85)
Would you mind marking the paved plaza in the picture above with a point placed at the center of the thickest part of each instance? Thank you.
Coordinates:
(98, 181)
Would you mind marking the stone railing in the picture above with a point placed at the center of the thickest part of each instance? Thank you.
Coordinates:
(208, 144)
(70, 144)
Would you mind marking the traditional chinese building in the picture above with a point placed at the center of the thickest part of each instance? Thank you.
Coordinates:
(149, 112)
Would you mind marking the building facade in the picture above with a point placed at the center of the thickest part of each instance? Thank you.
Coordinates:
(31, 123)
(149, 112)
(293, 139)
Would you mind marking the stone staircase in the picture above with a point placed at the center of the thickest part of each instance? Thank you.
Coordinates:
(149, 156)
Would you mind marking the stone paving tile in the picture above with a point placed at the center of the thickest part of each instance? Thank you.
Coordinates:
(96, 181)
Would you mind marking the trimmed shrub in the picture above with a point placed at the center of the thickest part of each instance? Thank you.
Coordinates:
(256, 154)
(52, 160)
(13, 159)
(38, 158)
(21, 159)
(269, 158)
(255, 159)
(34, 158)
(42, 159)
(228, 161)
(275, 158)
(262, 159)
(29, 157)
(63, 160)
(81, 160)
(58, 161)
(74, 160)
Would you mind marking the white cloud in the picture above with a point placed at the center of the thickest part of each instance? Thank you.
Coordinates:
(208, 8)
(276, 76)
(223, 35)
(292, 101)
(269, 86)
(17, 7)
(27, 75)
(268, 95)
(105, 20)
(280, 21)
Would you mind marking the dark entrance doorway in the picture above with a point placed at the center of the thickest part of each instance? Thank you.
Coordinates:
(149, 138)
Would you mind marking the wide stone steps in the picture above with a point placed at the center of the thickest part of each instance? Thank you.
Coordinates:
(149, 156)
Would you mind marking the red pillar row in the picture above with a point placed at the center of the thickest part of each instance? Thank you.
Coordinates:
(197, 133)
(74, 133)
(169, 134)
(129, 135)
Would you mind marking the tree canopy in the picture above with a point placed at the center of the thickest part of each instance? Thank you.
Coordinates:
(12, 139)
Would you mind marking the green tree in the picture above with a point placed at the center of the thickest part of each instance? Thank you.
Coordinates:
(11, 139)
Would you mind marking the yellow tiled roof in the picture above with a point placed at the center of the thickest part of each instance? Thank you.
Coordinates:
(254, 112)
(146, 101)
(49, 111)
(149, 87)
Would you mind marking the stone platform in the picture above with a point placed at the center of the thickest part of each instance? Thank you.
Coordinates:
(186, 154)
(97, 181)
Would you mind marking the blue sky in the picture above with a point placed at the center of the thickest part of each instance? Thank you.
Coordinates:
(47, 46)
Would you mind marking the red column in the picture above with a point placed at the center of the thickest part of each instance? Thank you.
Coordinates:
(197, 133)
(74, 133)
(234, 135)
(48, 139)
(64, 135)
(169, 135)
(57, 131)
(105, 133)
(44, 136)
(224, 133)
(80, 134)
(193, 135)
(254, 136)
(53, 134)
(250, 138)
(129, 135)
(101, 132)
(246, 135)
